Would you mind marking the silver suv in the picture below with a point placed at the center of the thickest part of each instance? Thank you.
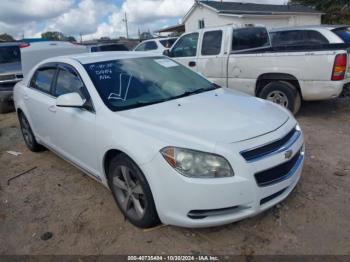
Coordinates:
(10, 73)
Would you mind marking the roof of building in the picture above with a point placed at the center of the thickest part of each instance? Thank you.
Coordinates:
(247, 8)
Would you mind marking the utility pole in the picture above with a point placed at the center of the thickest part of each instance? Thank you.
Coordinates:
(125, 20)
(81, 38)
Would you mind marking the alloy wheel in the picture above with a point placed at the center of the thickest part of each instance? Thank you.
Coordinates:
(129, 192)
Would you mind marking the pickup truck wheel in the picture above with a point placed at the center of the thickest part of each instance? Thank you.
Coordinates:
(132, 192)
(282, 93)
(28, 135)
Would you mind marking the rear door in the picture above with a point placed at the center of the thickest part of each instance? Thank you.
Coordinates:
(40, 102)
(185, 50)
(211, 59)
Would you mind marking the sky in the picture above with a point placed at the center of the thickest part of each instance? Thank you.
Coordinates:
(92, 18)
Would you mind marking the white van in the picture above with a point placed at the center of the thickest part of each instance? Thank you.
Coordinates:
(33, 53)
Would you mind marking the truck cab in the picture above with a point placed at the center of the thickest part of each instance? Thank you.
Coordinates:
(242, 58)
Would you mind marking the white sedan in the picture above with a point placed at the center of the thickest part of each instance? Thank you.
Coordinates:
(171, 146)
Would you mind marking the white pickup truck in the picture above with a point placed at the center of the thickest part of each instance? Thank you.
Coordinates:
(242, 58)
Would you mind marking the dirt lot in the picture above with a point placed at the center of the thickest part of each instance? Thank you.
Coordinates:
(83, 218)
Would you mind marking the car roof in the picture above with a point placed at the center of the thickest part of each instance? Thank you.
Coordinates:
(309, 27)
(87, 58)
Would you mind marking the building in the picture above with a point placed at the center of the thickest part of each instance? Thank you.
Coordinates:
(214, 13)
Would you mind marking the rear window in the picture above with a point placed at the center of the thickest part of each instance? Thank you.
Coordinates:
(9, 54)
(168, 42)
(249, 38)
(343, 33)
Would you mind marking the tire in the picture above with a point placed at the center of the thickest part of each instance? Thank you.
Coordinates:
(132, 192)
(6, 107)
(282, 93)
(28, 135)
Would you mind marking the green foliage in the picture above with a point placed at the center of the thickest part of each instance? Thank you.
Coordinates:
(6, 38)
(57, 36)
(53, 36)
(336, 11)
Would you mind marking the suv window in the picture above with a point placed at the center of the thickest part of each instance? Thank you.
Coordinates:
(67, 82)
(9, 54)
(212, 43)
(343, 33)
(151, 45)
(297, 37)
(141, 47)
(42, 79)
(186, 46)
(249, 38)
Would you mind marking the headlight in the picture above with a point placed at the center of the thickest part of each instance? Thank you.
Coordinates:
(197, 164)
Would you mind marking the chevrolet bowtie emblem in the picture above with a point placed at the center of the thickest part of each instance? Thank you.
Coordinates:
(288, 154)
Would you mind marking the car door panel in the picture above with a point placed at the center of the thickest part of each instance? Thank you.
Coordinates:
(74, 133)
(185, 50)
(39, 100)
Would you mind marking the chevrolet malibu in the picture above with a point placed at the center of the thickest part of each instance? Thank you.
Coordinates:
(170, 145)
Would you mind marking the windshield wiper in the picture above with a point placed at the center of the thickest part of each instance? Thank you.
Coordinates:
(187, 93)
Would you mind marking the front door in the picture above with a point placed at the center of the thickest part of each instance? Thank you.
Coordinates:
(75, 128)
(185, 50)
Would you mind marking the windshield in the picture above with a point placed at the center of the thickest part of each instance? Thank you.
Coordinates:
(343, 33)
(130, 83)
(9, 54)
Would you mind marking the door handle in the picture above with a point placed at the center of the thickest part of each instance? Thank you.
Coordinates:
(192, 63)
(52, 108)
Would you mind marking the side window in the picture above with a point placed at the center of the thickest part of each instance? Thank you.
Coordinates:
(151, 46)
(288, 38)
(211, 44)
(68, 82)
(314, 37)
(42, 79)
(249, 38)
(186, 46)
(141, 47)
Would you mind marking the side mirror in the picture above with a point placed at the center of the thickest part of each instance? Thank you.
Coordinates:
(167, 52)
(70, 100)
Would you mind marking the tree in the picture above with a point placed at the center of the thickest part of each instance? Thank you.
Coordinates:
(71, 39)
(6, 38)
(53, 36)
(336, 11)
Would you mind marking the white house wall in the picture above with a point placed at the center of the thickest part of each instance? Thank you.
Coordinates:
(211, 18)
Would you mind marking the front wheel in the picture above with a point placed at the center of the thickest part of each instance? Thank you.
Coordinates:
(132, 192)
(282, 93)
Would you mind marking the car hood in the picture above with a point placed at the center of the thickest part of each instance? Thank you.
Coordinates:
(219, 116)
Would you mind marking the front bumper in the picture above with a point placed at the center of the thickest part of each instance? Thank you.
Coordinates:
(190, 202)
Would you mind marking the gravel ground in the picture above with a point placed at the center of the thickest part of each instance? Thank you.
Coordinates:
(56, 209)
